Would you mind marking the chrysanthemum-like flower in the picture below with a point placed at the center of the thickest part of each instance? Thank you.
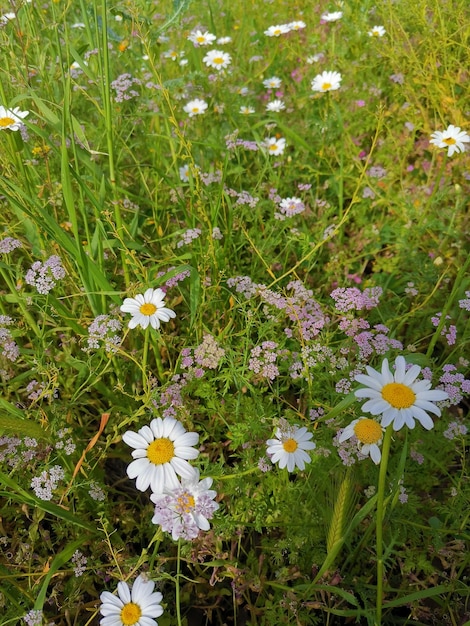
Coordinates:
(222, 41)
(291, 206)
(368, 433)
(326, 81)
(185, 510)
(136, 607)
(275, 106)
(452, 138)
(198, 38)
(218, 59)
(276, 31)
(272, 83)
(244, 110)
(377, 31)
(297, 25)
(195, 107)
(148, 308)
(398, 397)
(289, 448)
(161, 451)
(275, 146)
(11, 119)
(332, 17)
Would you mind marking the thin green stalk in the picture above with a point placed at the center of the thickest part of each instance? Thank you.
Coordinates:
(178, 568)
(108, 119)
(26, 314)
(380, 517)
(462, 273)
(144, 358)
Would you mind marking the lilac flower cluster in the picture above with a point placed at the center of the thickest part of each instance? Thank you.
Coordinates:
(8, 244)
(40, 391)
(374, 339)
(43, 276)
(123, 87)
(311, 356)
(455, 429)
(64, 442)
(44, 484)
(103, 332)
(232, 142)
(17, 452)
(465, 304)
(33, 618)
(377, 171)
(349, 452)
(454, 384)
(449, 332)
(216, 233)
(79, 561)
(209, 354)
(352, 298)
(211, 177)
(242, 197)
(8, 347)
(172, 282)
(263, 360)
(96, 492)
(188, 237)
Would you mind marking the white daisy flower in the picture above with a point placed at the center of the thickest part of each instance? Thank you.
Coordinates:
(398, 397)
(185, 172)
(185, 511)
(246, 110)
(289, 448)
(11, 119)
(148, 308)
(161, 450)
(368, 433)
(377, 31)
(136, 607)
(275, 106)
(222, 41)
(298, 25)
(314, 58)
(218, 59)
(332, 17)
(326, 81)
(7, 17)
(452, 138)
(272, 83)
(195, 107)
(276, 31)
(275, 146)
(291, 206)
(198, 38)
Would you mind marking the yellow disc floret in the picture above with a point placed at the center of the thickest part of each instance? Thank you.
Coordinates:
(148, 309)
(6, 121)
(368, 431)
(449, 141)
(290, 445)
(326, 86)
(400, 396)
(160, 451)
(130, 614)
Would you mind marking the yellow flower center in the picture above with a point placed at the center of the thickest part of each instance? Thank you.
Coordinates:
(449, 141)
(290, 445)
(148, 309)
(375, 33)
(368, 431)
(277, 31)
(6, 121)
(273, 146)
(326, 86)
(218, 60)
(130, 614)
(200, 39)
(185, 502)
(398, 395)
(160, 451)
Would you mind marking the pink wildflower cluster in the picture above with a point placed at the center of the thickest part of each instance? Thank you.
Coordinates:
(8, 347)
(263, 360)
(352, 298)
(454, 384)
(449, 332)
(44, 276)
(103, 332)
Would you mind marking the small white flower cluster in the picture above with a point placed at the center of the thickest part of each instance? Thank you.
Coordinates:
(283, 29)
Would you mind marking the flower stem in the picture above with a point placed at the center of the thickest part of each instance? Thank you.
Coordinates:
(144, 358)
(178, 565)
(380, 516)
